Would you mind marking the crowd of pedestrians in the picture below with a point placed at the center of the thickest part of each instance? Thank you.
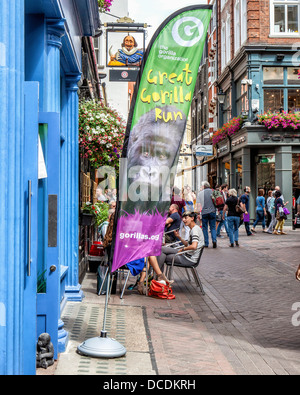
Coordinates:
(226, 214)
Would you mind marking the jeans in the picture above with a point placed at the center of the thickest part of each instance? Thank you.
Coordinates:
(233, 228)
(221, 223)
(260, 217)
(211, 220)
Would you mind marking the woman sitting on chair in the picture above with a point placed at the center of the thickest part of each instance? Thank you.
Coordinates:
(191, 247)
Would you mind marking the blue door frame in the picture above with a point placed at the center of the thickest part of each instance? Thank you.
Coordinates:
(48, 310)
(31, 91)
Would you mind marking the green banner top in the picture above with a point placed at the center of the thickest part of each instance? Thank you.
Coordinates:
(171, 63)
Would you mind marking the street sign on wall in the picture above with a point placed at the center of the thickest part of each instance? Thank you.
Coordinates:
(204, 150)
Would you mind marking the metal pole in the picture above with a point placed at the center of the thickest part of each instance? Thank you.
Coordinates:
(103, 332)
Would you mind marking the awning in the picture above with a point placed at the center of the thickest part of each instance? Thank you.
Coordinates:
(194, 167)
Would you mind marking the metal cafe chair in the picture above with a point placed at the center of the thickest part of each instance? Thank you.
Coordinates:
(188, 265)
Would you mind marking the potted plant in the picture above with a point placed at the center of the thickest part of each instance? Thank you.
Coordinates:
(88, 214)
(94, 213)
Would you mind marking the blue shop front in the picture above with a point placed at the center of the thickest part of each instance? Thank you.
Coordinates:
(40, 68)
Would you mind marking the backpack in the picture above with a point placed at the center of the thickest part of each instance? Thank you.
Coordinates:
(217, 199)
(160, 290)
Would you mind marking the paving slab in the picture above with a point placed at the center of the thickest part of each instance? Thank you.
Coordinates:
(242, 326)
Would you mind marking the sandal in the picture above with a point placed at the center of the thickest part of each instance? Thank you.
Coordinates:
(162, 277)
(253, 230)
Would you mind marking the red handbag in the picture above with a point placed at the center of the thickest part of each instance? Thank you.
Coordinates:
(160, 290)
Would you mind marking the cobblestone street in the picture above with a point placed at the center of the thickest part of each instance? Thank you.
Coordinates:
(243, 325)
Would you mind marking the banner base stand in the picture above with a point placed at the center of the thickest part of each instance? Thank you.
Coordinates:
(102, 346)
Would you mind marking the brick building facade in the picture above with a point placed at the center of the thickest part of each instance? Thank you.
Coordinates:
(257, 71)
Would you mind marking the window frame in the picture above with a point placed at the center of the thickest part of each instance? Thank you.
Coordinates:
(285, 86)
(286, 3)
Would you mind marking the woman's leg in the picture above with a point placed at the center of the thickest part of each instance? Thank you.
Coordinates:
(277, 227)
(263, 220)
(256, 220)
(236, 228)
(230, 229)
(272, 223)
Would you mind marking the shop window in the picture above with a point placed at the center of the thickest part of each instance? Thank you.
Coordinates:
(285, 17)
(284, 96)
(292, 76)
(266, 172)
(296, 174)
(273, 75)
(227, 106)
(242, 104)
(227, 173)
(273, 100)
(294, 100)
(239, 177)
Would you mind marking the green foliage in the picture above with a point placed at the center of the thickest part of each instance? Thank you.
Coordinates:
(99, 210)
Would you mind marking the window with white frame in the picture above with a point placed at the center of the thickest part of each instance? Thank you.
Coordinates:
(228, 39)
(223, 48)
(285, 17)
(240, 23)
(237, 26)
(243, 21)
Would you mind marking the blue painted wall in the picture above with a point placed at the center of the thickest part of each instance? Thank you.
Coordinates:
(25, 55)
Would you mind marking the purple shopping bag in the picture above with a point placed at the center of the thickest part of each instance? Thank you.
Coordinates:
(286, 211)
(247, 217)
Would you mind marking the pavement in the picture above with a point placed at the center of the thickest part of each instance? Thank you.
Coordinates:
(248, 322)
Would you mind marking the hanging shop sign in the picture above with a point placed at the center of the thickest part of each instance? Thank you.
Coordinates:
(125, 47)
(203, 150)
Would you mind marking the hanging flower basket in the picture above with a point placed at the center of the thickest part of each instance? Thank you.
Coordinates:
(229, 129)
(104, 5)
(101, 134)
(283, 120)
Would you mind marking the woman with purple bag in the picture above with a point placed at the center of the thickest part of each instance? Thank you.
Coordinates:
(244, 200)
(280, 213)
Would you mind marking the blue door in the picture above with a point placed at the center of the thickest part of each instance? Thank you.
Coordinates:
(48, 258)
(30, 197)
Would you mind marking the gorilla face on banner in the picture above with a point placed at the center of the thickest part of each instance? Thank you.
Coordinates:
(152, 157)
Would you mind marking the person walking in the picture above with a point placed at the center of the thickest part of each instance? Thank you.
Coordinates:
(233, 218)
(260, 210)
(269, 217)
(280, 221)
(206, 205)
(271, 205)
(244, 200)
(224, 192)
